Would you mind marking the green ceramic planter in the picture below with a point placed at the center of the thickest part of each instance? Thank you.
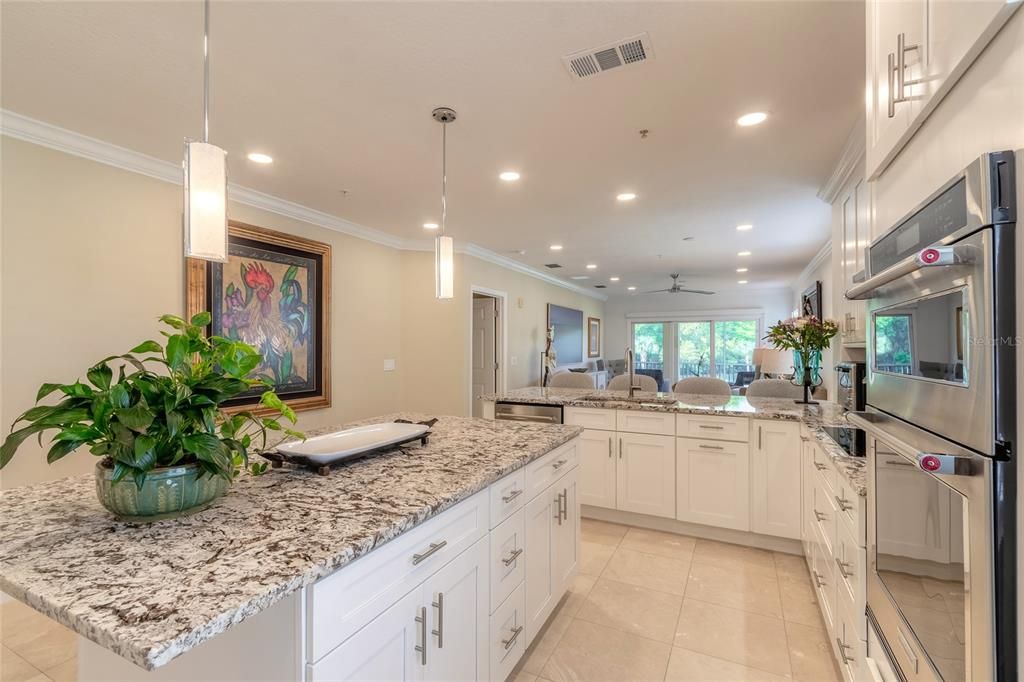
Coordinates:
(166, 493)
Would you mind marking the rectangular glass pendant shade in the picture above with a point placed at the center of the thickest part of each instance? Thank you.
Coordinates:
(444, 266)
(206, 202)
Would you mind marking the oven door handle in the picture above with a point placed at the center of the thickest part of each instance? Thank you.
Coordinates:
(933, 256)
(930, 462)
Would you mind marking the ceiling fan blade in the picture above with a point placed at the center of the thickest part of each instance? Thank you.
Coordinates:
(656, 291)
(694, 291)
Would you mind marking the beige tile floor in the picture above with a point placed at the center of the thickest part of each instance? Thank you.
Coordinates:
(657, 606)
(34, 648)
(645, 606)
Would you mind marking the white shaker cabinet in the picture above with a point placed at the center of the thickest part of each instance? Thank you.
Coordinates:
(854, 233)
(646, 474)
(565, 551)
(916, 51)
(713, 483)
(775, 478)
(597, 468)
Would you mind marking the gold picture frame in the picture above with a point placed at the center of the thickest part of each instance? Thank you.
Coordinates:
(274, 293)
(593, 337)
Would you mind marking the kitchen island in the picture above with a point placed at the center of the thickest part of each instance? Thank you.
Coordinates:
(762, 472)
(290, 567)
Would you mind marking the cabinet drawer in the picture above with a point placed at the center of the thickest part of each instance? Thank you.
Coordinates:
(850, 559)
(851, 509)
(824, 512)
(590, 418)
(508, 640)
(507, 496)
(507, 558)
(338, 605)
(543, 472)
(846, 637)
(822, 463)
(716, 428)
(822, 580)
(636, 421)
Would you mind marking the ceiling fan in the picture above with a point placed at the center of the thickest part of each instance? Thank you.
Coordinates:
(677, 288)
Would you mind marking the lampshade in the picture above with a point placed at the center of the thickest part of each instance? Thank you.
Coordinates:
(206, 202)
(444, 266)
(773, 360)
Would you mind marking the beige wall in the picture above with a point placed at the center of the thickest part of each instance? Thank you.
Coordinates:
(91, 255)
(436, 338)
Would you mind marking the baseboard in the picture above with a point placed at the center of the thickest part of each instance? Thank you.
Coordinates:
(736, 537)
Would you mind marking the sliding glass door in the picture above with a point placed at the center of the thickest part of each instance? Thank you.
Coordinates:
(671, 350)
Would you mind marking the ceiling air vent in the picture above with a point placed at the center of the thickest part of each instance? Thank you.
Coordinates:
(591, 62)
(553, 266)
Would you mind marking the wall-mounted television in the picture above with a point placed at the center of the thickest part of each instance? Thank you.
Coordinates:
(568, 324)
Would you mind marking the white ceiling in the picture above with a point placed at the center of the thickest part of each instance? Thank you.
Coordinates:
(340, 95)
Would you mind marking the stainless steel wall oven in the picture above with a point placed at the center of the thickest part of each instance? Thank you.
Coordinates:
(941, 430)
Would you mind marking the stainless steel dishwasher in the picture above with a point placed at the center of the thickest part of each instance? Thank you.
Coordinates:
(521, 412)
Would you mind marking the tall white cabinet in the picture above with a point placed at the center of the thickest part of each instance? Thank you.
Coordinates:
(775, 479)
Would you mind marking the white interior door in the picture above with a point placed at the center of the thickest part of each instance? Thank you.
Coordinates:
(485, 358)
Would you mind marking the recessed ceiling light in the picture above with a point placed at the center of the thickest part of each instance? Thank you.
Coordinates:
(613, 279)
(743, 253)
(752, 119)
(741, 269)
(626, 196)
(430, 226)
(742, 281)
(591, 266)
(257, 157)
(630, 288)
(580, 277)
(744, 228)
(555, 247)
(509, 176)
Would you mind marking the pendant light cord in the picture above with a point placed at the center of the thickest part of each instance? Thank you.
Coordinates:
(206, 70)
(444, 175)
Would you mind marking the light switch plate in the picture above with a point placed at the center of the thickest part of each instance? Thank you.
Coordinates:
(389, 365)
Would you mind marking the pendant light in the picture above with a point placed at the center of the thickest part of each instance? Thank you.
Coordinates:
(206, 180)
(444, 247)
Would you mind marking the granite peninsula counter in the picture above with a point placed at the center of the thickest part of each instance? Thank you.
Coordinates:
(814, 417)
(151, 592)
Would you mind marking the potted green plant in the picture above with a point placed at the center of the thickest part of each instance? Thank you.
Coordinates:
(806, 337)
(166, 445)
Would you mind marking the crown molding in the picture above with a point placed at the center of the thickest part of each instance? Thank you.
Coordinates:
(21, 127)
(849, 159)
(824, 253)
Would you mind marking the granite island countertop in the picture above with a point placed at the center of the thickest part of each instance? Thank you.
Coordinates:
(150, 592)
(814, 417)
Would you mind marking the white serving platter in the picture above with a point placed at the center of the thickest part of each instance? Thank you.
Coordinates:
(332, 447)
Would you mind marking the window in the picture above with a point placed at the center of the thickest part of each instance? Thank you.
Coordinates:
(672, 350)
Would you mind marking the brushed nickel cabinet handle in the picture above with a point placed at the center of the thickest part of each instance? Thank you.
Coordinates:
(819, 466)
(421, 648)
(512, 640)
(434, 547)
(818, 515)
(758, 436)
(844, 504)
(610, 446)
(842, 650)
(817, 579)
(512, 557)
(511, 496)
(620, 448)
(704, 446)
(439, 632)
(709, 426)
(559, 464)
(891, 94)
(565, 504)
(842, 568)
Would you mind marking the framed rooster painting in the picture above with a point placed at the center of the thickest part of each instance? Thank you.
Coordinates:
(274, 294)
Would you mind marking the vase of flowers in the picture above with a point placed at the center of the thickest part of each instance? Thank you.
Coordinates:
(166, 445)
(807, 337)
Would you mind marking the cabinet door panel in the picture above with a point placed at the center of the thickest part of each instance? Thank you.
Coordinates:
(713, 483)
(457, 605)
(597, 468)
(775, 478)
(539, 568)
(384, 650)
(565, 552)
(645, 474)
